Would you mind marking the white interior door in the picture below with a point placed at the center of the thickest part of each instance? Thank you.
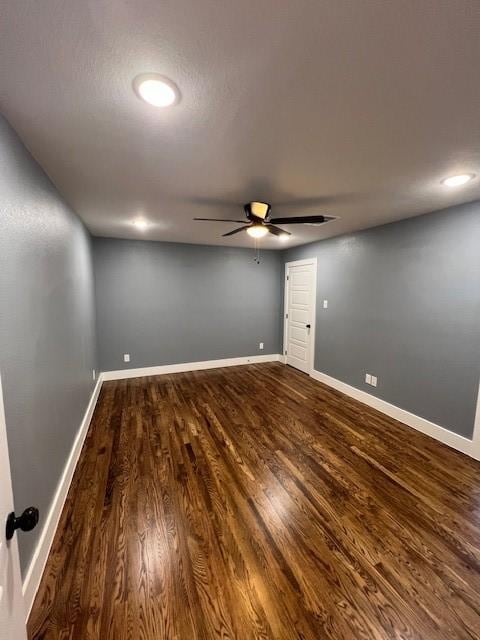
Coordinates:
(300, 289)
(12, 613)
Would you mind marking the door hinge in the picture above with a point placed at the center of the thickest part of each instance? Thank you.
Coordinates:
(285, 352)
(286, 316)
(288, 277)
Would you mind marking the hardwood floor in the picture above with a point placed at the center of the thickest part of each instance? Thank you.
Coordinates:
(254, 502)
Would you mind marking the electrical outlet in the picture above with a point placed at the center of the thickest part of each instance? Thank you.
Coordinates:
(374, 381)
(368, 378)
(325, 304)
(93, 374)
(260, 345)
(126, 357)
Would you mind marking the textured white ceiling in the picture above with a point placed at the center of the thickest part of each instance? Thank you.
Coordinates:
(353, 108)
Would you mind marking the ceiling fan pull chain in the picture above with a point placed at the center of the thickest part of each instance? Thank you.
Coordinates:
(256, 253)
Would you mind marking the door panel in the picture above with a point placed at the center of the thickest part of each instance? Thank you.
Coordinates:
(298, 352)
(299, 334)
(300, 297)
(300, 316)
(12, 613)
(301, 277)
(300, 309)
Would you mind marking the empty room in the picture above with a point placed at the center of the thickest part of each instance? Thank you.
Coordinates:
(240, 320)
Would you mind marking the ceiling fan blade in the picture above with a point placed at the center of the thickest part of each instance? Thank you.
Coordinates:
(231, 233)
(302, 220)
(219, 220)
(277, 231)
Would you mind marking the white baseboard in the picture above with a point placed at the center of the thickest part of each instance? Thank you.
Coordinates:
(188, 366)
(460, 443)
(476, 430)
(40, 556)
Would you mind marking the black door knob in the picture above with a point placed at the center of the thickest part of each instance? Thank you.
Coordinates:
(308, 326)
(26, 522)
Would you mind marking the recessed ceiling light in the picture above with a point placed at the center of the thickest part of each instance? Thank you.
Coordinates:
(457, 181)
(140, 224)
(156, 90)
(257, 231)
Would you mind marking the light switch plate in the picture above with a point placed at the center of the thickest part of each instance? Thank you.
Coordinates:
(260, 345)
(368, 378)
(325, 304)
(374, 381)
(126, 357)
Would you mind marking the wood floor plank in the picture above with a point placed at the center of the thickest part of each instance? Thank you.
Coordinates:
(256, 503)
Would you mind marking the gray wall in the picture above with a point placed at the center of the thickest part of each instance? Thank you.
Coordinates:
(47, 339)
(166, 303)
(404, 305)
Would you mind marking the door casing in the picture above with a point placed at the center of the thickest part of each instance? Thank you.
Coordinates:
(12, 609)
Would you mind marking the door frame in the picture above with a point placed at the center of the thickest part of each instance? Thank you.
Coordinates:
(13, 603)
(313, 321)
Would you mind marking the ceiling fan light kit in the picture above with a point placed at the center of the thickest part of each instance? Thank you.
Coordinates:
(259, 223)
(257, 230)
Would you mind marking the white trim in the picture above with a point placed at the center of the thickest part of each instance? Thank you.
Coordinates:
(476, 429)
(313, 321)
(187, 366)
(40, 556)
(12, 605)
(460, 443)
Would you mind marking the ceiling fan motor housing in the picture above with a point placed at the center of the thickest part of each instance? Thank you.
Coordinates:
(257, 210)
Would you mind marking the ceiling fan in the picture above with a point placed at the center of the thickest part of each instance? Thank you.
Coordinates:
(259, 222)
